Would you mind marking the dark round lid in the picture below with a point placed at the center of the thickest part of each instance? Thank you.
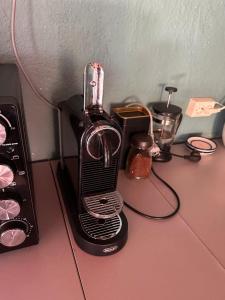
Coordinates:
(170, 111)
(141, 141)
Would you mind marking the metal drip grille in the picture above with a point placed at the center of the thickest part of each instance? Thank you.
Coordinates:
(104, 206)
(100, 229)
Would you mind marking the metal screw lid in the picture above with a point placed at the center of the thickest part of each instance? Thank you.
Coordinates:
(141, 141)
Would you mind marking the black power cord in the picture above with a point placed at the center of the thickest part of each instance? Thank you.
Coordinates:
(158, 217)
(195, 156)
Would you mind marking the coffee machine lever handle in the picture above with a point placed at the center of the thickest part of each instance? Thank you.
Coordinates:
(107, 151)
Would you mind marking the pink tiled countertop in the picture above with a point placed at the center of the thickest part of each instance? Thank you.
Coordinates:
(180, 258)
(201, 187)
(46, 271)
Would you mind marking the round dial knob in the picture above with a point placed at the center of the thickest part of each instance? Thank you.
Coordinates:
(13, 233)
(9, 209)
(3, 134)
(6, 175)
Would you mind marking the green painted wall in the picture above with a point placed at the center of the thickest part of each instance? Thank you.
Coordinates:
(143, 45)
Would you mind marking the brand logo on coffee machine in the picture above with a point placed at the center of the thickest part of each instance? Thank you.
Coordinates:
(110, 249)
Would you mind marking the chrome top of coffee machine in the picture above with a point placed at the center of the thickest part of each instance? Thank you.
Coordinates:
(167, 118)
(95, 207)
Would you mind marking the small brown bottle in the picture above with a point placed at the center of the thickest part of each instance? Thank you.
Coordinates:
(139, 160)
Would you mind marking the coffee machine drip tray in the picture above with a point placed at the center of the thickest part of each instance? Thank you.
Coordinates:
(100, 229)
(104, 206)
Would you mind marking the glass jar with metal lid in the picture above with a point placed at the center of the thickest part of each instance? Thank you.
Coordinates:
(139, 160)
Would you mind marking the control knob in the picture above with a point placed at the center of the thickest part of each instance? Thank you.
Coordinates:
(13, 233)
(9, 209)
(3, 134)
(6, 175)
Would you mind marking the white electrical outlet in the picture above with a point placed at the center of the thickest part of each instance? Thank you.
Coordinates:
(200, 107)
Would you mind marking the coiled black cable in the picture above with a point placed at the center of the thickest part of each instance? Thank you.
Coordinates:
(158, 217)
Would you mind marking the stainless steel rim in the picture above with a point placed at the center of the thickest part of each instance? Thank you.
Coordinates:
(96, 131)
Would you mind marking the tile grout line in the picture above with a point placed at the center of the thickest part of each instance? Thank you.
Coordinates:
(67, 228)
(190, 228)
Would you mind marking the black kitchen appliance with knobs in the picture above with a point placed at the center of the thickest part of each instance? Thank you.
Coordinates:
(18, 225)
(88, 181)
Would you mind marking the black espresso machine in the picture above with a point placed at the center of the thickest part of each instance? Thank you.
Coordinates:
(88, 173)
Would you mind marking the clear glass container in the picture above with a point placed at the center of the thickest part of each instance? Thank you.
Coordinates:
(164, 130)
(139, 160)
(166, 121)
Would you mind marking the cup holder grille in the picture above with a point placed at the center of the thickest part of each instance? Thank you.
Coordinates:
(104, 206)
(100, 229)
